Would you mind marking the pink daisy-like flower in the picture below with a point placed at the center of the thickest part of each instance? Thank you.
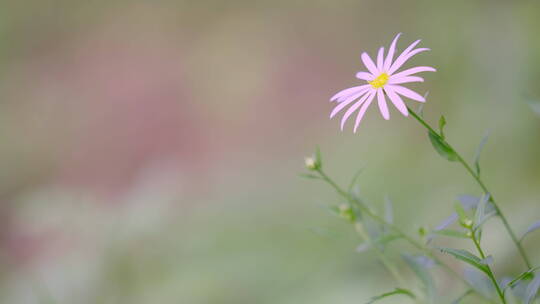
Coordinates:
(382, 80)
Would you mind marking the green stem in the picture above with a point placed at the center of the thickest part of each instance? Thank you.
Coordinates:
(484, 188)
(393, 227)
(489, 271)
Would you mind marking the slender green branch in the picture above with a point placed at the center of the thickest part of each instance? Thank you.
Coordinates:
(393, 227)
(484, 188)
(489, 271)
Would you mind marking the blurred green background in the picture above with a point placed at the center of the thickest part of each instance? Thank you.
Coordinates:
(150, 150)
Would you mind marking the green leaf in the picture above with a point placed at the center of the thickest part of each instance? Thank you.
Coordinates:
(442, 123)
(523, 276)
(478, 151)
(532, 290)
(533, 227)
(397, 291)
(318, 157)
(466, 257)
(422, 272)
(442, 147)
(480, 215)
(463, 218)
(420, 110)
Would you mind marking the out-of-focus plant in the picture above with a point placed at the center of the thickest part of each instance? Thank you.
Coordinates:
(378, 230)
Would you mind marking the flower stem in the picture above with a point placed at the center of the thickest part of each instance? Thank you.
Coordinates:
(393, 227)
(490, 274)
(484, 188)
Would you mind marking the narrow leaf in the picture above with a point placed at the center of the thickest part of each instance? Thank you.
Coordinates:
(487, 260)
(447, 222)
(442, 123)
(420, 110)
(485, 218)
(442, 147)
(479, 281)
(467, 202)
(417, 264)
(462, 215)
(479, 151)
(318, 157)
(466, 257)
(397, 291)
(480, 214)
(523, 276)
(533, 227)
(532, 290)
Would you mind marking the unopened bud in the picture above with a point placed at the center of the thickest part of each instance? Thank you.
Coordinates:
(311, 163)
(346, 212)
(467, 223)
(423, 231)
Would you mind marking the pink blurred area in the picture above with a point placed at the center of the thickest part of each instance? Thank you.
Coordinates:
(95, 108)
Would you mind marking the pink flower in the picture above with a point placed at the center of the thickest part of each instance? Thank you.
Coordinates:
(382, 80)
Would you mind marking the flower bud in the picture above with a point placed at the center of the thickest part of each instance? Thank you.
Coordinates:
(346, 212)
(467, 223)
(311, 163)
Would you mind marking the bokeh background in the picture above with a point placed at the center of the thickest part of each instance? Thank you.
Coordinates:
(150, 150)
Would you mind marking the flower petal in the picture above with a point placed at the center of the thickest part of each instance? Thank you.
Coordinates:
(402, 59)
(355, 107)
(391, 51)
(408, 93)
(405, 79)
(403, 54)
(396, 100)
(414, 71)
(346, 102)
(380, 59)
(343, 94)
(383, 107)
(365, 76)
(363, 110)
(369, 64)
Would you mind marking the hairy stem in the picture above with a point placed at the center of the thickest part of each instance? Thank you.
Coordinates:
(484, 188)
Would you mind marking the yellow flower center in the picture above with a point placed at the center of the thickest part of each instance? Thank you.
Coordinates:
(380, 81)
